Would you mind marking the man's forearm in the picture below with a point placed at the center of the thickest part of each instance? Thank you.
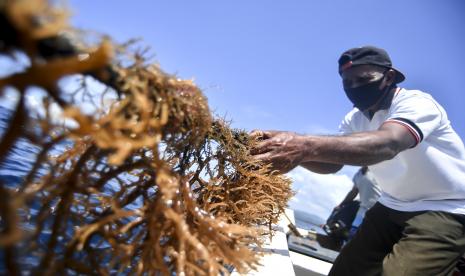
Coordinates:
(358, 149)
(287, 150)
(320, 167)
(350, 196)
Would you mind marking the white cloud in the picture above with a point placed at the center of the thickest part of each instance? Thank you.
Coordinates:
(316, 193)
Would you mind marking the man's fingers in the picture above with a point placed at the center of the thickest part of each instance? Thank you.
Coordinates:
(259, 150)
(267, 158)
(263, 134)
(264, 157)
(262, 147)
(255, 134)
(270, 133)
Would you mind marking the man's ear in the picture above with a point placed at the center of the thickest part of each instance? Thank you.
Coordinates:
(390, 77)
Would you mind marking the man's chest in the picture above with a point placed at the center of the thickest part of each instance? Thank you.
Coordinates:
(366, 124)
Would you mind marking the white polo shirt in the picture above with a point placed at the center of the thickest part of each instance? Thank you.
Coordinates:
(368, 190)
(428, 176)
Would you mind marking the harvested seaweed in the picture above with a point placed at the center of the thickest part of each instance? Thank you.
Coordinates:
(151, 184)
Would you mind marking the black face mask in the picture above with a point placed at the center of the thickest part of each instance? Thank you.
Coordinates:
(366, 95)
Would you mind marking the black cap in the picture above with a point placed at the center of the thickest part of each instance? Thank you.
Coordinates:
(367, 55)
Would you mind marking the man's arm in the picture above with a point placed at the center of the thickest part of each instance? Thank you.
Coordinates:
(359, 149)
(286, 150)
(350, 196)
(320, 167)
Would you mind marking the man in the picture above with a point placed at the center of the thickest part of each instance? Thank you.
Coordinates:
(404, 136)
(365, 185)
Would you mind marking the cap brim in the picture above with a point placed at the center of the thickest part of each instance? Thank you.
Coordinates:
(399, 76)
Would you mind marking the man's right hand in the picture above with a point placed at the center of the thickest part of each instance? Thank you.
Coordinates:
(282, 149)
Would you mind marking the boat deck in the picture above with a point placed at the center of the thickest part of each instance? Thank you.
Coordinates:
(279, 260)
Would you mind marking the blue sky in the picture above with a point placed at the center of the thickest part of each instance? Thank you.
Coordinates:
(273, 64)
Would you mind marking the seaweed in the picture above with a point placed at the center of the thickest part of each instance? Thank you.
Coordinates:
(152, 183)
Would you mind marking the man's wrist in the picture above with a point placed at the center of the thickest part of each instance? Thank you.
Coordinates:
(307, 148)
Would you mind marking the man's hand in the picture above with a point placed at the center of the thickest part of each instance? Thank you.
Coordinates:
(283, 150)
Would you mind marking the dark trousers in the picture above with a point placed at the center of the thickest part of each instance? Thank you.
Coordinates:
(396, 243)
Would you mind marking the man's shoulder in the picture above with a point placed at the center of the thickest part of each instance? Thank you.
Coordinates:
(417, 99)
(411, 94)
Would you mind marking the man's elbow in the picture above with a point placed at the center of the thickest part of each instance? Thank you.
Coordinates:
(391, 150)
(333, 168)
(322, 168)
(392, 140)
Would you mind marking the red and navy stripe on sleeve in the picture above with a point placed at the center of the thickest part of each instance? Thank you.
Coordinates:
(411, 126)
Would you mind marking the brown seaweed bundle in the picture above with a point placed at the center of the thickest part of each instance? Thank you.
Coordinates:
(151, 184)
